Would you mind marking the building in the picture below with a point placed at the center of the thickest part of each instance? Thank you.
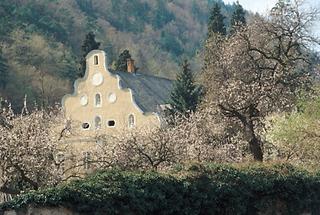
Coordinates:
(109, 102)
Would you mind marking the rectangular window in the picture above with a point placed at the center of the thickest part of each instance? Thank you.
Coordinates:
(96, 60)
(111, 123)
(97, 101)
(97, 122)
(131, 120)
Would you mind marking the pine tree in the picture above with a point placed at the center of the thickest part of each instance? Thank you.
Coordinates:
(4, 73)
(238, 17)
(121, 63)
(216, 21)
(88, 45)
(186, 95)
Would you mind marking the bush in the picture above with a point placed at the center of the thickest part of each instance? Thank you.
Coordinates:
(210, 189)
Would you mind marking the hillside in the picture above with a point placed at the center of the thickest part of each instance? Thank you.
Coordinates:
(41, 39)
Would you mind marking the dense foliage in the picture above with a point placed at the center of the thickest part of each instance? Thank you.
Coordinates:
(88, 45)
(259, 70)
(296, 134)
(186, 95)
(238, 18)
(210, 189)
(121, 63)
(4, 73)
(43, 41)
(216, 21)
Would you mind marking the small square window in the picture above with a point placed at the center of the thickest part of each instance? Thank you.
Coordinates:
(111, 123)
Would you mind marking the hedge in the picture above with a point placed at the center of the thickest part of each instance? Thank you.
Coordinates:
(209, 189)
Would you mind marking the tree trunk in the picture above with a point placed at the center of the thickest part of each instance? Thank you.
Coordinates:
(253, 141)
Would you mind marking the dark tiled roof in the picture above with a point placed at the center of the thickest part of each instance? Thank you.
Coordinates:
(149, 92)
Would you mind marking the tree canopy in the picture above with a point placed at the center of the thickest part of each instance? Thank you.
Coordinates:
(216, 20)
(259, 70)
(4, 73)
(185, 95)
(238, 17)
(121, 63)
(88, 45)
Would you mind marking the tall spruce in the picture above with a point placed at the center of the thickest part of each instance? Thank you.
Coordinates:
(186, 95)
(238, 17)
(216, 21)
(4, 73)
(88, 45)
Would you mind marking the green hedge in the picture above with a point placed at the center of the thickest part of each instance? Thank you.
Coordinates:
(210, 189)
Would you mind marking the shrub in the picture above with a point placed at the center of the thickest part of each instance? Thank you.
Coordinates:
(209, 189)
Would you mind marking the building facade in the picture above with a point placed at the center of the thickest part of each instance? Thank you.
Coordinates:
(108, 103)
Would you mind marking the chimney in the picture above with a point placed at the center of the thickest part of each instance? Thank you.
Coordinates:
(130, 65)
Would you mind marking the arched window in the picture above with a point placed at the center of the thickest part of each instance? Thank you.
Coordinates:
(96, 60)
(98, 100)
(97, 122)
(131, 120)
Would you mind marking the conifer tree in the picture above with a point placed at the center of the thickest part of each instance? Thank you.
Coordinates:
(88, 45)
(238, 17)
(186, 95)
(4, 73)
(216, 21)
(121, 63)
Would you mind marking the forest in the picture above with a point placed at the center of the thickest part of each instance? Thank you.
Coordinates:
(41, 40)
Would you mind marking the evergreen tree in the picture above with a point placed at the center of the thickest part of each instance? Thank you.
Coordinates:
(88, 45)
(238, 17)
(121, 63)
(4, 73)
(186, 94)
(216, 21)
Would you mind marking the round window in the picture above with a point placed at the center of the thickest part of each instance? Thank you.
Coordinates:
(85, 126)
(112, 97)
(97, 79)
(84, 100)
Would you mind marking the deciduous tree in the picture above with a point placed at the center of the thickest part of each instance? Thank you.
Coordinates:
(259, 70)
(28, 150)
(296, 135)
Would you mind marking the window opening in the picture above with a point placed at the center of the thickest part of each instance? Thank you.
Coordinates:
(98, 100)
(96, 60)
(97, 121)
(111, 123)
(85, 126)
(131, 121)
